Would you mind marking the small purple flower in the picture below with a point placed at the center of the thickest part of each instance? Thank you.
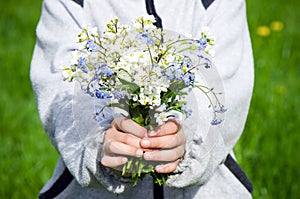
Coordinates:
(169, 73)
(188, 112)
(82, 64)
(145, 38)
(163, 107)
(103, 70)
(106, 71)
(119, 94)
(94, 83)
(90, 93)
(192, 77)
(208, 63)
(186, 80)
(99, 67)
(189, 79)
(91, 46)
(178, 72)
(99, 117)
(216, 121)
(202, 43)
(186, 62)
(102, 94)
(221, 110)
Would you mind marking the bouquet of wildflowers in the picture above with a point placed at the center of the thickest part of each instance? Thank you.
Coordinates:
(145, 71)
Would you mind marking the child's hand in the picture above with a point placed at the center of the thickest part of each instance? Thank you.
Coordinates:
(126, 138)
(122, 139)
(169, 140)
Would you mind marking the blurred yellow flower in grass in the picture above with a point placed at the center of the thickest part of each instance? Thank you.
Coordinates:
(280, 89)
(263, 31)
(277, 26)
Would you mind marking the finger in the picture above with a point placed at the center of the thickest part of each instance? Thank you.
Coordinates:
(168, 141)
(169, 155)
(168, 128)
(113, 161)
(115, 147)
(129, 126)
(113, 134)
(167, 168)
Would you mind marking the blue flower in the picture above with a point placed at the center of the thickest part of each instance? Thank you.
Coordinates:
(216, 121)
(169, 73)
(119, 94)
(178, 74)
(186, 62)
(82, 64)
(103, 70)
(94, 83)
(90, 93)
(145, 38)
(99, 117)
(186, 80)
(208, 63)
(106, 71)
(102, 94)
(188, 112)
(192, 77)
(221, 110)
(91, 46)
(177, 71)
(98, 68)
(202, 43)
(189, 78)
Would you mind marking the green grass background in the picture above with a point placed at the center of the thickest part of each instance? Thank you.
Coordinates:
(268, 150)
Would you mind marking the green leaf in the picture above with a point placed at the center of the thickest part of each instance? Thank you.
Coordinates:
(117, 105)
(131, 85)
(177, 106)
(139, 119)
(177, 86)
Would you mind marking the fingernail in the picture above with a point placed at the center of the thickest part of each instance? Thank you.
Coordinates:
(147, 156)
(145, 143)
(159, 168)
(124, 160)
(152, 133)
(139, 153)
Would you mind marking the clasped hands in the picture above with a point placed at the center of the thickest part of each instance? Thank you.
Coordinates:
(126, 138)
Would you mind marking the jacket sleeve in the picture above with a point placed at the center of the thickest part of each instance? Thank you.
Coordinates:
(207, 146)
(60, 22)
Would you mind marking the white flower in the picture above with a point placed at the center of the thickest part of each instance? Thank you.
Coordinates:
(134, 97)
(150, 18)
(156, 101)
(124, 27)
(67, 73)
(83, 36)
(75, 56)
(160, 118)
(94, 32)
(161, 108)
(108, 37)
(144, 23)
(144, 100)
(211, 52)
(206, 33)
